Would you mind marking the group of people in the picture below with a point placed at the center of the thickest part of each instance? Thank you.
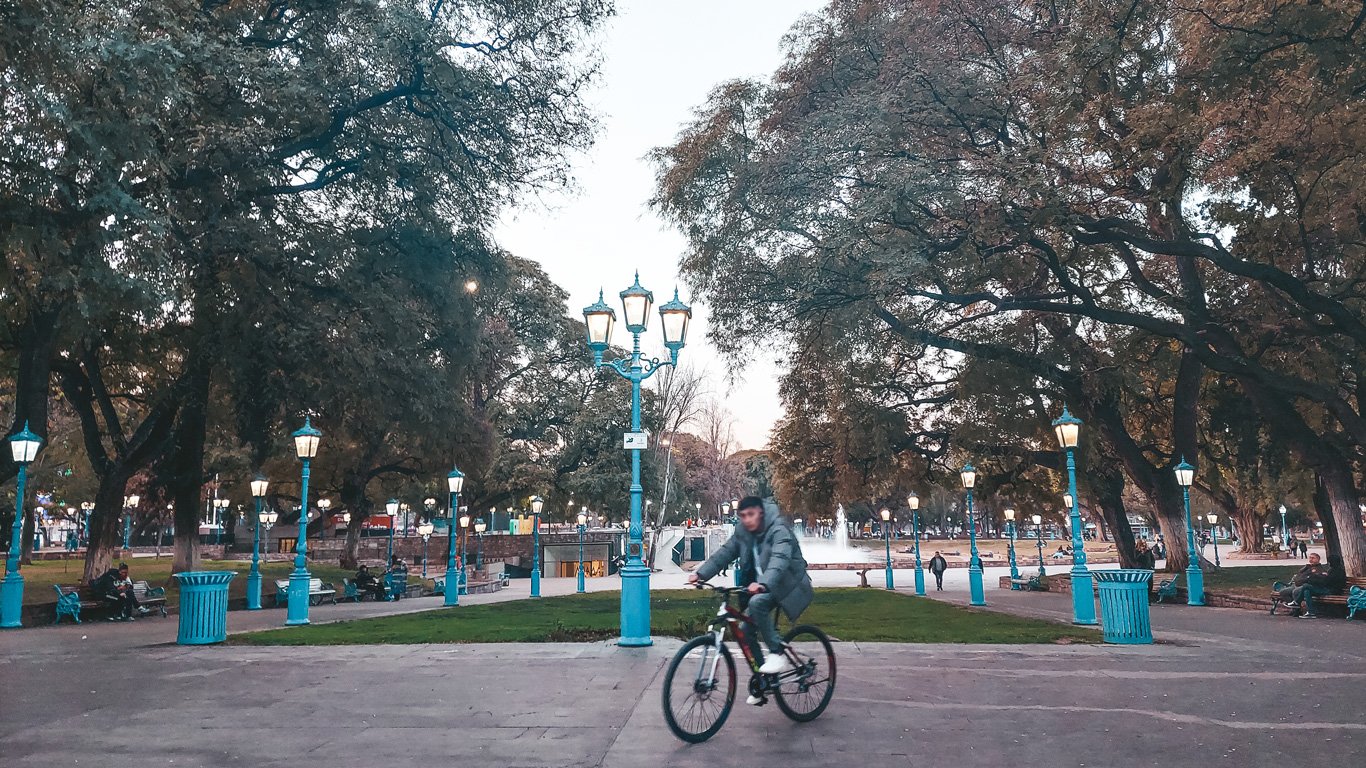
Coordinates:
(116, 586)
(369, 583)
(1313, 580)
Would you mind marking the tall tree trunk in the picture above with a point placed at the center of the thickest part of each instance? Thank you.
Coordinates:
(1107, 489)
(37, 339)
(1248, 522)
(1342, 530)
(106, 533)
(26, 537)
(186, 462)
(353, 499)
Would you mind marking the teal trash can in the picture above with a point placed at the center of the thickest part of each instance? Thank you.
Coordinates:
(203, 607)
(1124, 605)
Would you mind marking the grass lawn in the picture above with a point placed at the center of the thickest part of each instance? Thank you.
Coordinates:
(40, 576)
(845, 614)
(1252, 581)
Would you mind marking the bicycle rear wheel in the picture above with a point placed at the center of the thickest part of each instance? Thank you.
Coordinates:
(805, 694)
(699, 689)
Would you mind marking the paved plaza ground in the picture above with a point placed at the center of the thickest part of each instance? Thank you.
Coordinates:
(1222, 686)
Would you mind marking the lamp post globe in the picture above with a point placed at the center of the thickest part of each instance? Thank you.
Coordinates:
(306, 441)
(913, 503)
(1195, 578)
(583, 524)
(479, 527)
(1010, 544)
(24, 446)
(1067, 428)
(425, 531)
(1038, 539)
(391, 508)
(976, 592)
(455, 483)
(886, 515)
(259, 485)
(537, 504)
(1285, 534)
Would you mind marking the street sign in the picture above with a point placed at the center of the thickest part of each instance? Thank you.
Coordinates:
(632, 441)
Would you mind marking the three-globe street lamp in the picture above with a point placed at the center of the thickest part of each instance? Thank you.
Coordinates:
(1195, 578)
(913, 501)
(306, 448)
(537, 504)
(259, 484)
(1068, 430)
(479, 527)
(1214, 535)
(599, 319)
(1285, 534)
(977, 595)
(425, 531)
(391, 508)
(220, 510)
(455, 482)
(887, 544)
(583, 523)
(1038, 539)
(86, 507)
(1010, 546)
(130, 503)
(24, 447)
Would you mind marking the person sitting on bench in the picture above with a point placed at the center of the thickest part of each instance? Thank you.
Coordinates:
(115, 585)
(1331, 582)
(366, 582)
(1313, 573)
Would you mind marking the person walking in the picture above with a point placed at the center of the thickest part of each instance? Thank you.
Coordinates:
(937, 566)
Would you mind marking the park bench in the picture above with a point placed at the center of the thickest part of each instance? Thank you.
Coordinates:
(1028, 584)
(396, 585)
(1167, 588)
(318, 591)
(1353, 600)
(70, 600)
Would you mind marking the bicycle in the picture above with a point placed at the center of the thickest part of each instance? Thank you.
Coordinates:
(705, 699)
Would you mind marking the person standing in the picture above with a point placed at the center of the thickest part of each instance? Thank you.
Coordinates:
(937, 567)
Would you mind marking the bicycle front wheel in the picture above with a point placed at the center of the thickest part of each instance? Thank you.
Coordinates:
(804, 694)
(699, 689)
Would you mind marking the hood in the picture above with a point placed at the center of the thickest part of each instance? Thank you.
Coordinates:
(772, 515)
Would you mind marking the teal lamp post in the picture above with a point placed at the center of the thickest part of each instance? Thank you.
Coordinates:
(1010, 545)
(463, 545)
(887, 544)
(258, 494)
(455, 482)
(391, 508)
(537, 504)
(23, 447)
(1038, 539)
(977, 595)
(599, 319)
(583, 523)
(425, 531)
(913, 501)
(306, 448)
(1285, 534)
(130, 503)
(1214, 535)
(1068, 430)
(1195, 578)
(86, 508)
(479, 527)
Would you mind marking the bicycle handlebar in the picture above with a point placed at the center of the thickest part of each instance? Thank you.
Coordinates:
(722, 590)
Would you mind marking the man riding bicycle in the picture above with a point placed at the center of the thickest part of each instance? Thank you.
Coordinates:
(771, 563)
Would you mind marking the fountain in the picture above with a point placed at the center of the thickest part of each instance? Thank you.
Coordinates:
(834, 550)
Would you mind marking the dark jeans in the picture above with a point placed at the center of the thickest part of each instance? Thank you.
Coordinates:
(1306, 594)
(125, 601)
(938, 580)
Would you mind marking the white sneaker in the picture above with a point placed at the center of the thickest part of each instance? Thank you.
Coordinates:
(775, 664)
(754, 701)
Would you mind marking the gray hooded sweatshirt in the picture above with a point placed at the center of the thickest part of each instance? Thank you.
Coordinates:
(772, 557)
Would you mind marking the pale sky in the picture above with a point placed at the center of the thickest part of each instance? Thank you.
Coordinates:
(660, 60)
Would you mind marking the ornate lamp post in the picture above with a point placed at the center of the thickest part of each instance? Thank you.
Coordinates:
(306, 448)
(1214, 535)
(1068, 430)
(536, 505)
(86, 507)
(479, 527)
(1195, 578)
(455, 482)
(24, 447)
(977, 595)
(913, 501)
(583, 523)
(1038, 539)
(599, 318)
(464, 547)
(219, 515)
(1285, 534)
(425, 531)
(130, 503)
(887, 544)
(1010, 545)
(258, 493)
(391, 509)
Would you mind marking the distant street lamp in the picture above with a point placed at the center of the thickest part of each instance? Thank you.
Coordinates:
(1195, 578)
(1285, 534)
(391, 508)
(599, 319)
(455, 482)
(130, 503)
(536, 505)
(220, 510)
(1214, 535)
(259, 484)
(913, 501)
(1038, 538)
(977, 595)
(425, 531)
(87, 507)
(583, 523)
(1010, 545)
(479, 527)
(24, 447)
(306, 448)
(1068, 430)
(464, 546)
(887, 544)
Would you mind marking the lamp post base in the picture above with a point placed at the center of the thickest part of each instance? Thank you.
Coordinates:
(890, 583)
(11, 600)
(977, 594)
(297, 613)
(254, 590)
(1083, 598)
(919, 581)
(635, 606)
(452, 589)
(580, 588)
(1195, 585)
